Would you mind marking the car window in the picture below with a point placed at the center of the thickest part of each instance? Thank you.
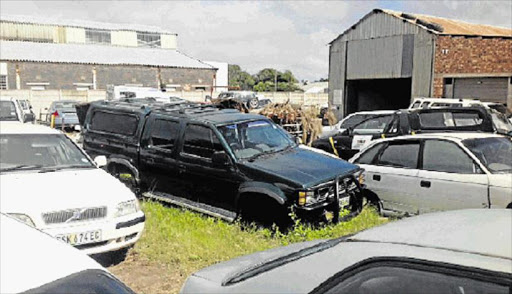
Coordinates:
(369, 155)
(495, 153)
(37, 151)
(449, 119)
(416, 104)
(376, 124)
(201, 141)
(117, 123)
(8, 111)
(400, 154)
(396, 280)
(444, 156)
(164, 134)
(353, 120)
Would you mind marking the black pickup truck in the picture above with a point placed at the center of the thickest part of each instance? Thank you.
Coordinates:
(219, 162)
(406, 122)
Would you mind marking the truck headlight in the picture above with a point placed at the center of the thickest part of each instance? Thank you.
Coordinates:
(127, 207)
(23, 218)
(306, 198)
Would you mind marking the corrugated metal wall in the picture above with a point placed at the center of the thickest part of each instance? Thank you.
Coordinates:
(382, 47)
(124, 38)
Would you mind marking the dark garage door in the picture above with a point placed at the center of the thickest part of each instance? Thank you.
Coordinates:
(485, 89)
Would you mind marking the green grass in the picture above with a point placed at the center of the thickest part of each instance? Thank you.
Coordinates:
(189, 241)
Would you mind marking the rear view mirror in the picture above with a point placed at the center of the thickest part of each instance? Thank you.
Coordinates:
(220, 159)
(100, 161)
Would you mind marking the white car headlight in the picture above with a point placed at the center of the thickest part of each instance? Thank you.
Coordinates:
(23, 218)
(127, 207)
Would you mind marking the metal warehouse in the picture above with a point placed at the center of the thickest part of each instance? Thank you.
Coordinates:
(388, 58)
(42, 54)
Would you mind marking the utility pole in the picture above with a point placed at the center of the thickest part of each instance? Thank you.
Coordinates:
(275, 80)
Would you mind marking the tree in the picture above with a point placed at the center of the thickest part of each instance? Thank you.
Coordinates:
(237, 78)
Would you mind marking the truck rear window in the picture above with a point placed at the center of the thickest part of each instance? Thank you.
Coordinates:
(117, 123)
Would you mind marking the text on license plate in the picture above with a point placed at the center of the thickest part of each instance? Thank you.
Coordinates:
(81, 238)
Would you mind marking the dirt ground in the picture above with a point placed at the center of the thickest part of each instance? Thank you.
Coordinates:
(146, 277)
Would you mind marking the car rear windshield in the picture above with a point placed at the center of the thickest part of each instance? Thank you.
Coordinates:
(353, 120)
(495, 152)
(8, 111)
(40, 151)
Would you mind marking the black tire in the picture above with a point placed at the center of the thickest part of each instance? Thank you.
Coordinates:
(253, 103)
(262, 211)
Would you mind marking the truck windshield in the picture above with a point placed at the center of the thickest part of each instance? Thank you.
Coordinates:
(40, 152)
(8, 111)
(249, 139)
(495, 152)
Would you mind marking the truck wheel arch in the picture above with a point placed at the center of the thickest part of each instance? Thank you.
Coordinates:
(112, 161)
(263, 189)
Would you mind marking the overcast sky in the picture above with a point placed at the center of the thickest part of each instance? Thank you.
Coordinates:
(284, 35)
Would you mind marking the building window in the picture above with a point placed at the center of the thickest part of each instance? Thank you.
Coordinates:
(3, 82)
(94, 36)
(148, 40)
(448, 81)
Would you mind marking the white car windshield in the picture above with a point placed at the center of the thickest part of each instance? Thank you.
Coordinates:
(8, 111)
(40, 152)
(495, 153)
(249, 139)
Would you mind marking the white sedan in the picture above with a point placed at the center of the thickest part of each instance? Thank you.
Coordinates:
(51, 184)
(434, 172)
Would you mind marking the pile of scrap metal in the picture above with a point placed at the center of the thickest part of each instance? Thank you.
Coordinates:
(302, 122)
(230, 103)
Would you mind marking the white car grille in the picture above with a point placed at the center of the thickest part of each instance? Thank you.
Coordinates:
(74, 215)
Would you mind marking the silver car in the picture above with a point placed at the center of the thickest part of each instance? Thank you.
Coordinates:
(465, 251)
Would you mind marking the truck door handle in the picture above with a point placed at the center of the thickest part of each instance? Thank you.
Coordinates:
(425, 184)
(376, 177)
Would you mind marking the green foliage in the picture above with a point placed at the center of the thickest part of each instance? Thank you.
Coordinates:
(263, 81)
(239, 78)
(189, 241)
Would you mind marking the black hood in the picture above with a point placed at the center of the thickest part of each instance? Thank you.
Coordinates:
(301, 166)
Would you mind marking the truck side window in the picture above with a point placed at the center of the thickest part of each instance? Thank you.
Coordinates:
(164, 134)
(116, 123)
(201, 141)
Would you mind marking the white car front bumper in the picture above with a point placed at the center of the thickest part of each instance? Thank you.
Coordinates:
(116, 233)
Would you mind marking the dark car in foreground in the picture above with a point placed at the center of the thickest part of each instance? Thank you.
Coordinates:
(220, 162)
(407, 122)
(465, 251)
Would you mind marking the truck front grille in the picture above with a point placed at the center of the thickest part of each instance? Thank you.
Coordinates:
(74, 215)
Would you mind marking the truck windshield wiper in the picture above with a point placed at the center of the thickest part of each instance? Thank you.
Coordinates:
(252, 158)
(21, 167)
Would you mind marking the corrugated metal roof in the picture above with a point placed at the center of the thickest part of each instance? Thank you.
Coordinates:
(439, 25)
(445, 26)
(96, 54)
(32, 19)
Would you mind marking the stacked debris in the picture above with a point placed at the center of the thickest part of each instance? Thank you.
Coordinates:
(302, 122)
(230, 104)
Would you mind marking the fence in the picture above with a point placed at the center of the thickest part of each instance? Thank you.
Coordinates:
(42, 99)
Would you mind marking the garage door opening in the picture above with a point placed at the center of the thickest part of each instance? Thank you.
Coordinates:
(377, 94)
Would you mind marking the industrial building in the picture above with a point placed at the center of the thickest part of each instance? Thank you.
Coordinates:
(42, 54)
(388, 58)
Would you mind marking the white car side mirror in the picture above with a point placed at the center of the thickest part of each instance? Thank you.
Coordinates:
(78, 128)
(101, 160)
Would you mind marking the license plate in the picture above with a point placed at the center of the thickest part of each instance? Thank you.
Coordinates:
(81, 238)
(344, 201)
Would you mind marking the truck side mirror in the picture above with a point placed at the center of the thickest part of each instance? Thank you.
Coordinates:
(221, 159)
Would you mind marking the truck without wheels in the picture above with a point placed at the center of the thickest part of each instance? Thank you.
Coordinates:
(219, 162)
